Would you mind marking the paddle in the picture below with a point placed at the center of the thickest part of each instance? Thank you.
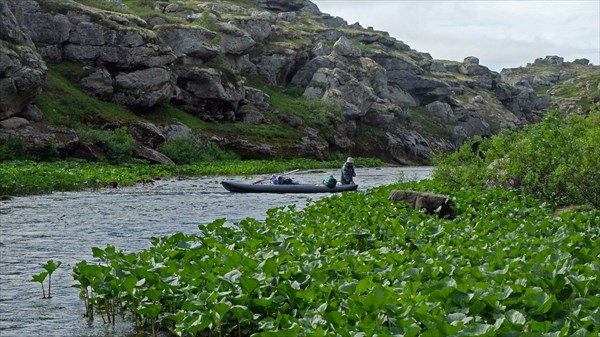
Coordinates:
(284, 174)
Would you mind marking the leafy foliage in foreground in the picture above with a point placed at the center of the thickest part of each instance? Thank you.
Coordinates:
(29, 177)
(556, 160)
(356, 265)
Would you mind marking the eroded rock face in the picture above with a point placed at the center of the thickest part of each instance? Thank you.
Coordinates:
(146, 133)
(22, 70)
(81, 36)
(38, 136)
(144, 88)
(192, 42)
(22, 74)
(374, 78)
(10, 28)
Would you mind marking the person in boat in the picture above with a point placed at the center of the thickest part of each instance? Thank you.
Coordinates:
(274, 179)
(348, 173)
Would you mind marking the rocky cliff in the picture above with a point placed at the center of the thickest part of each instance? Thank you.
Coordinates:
(262, 78)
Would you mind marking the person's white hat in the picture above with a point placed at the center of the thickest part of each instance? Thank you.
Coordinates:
(350, 160)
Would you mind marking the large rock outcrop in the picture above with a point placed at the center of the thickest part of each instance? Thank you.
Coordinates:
(387, 100)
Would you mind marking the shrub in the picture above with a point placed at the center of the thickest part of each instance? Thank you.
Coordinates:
(184, 151)
(117, 144)
(12, 148)
(555, 160)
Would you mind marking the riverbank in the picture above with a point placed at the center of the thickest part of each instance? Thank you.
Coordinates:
(30, 177)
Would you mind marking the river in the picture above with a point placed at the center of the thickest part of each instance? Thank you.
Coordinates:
(65, 226)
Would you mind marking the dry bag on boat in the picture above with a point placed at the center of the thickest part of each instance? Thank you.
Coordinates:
(330, 182)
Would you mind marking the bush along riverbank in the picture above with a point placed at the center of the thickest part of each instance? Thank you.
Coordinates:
(31, 177)
(356, 264)
(504, 263)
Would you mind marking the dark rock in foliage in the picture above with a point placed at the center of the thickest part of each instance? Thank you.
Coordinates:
(312, 146)
(144, 88)
(146, 133)
(99, 84)
(39, 138)
(249, 114)
(153, 156)
(429, 202)
(246, 148)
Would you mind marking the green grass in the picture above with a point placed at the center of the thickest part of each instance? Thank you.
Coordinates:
(30, 177)
(316, 113)
(64, 102)
(428, 124)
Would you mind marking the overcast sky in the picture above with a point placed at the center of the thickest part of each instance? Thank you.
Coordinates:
(501, 33)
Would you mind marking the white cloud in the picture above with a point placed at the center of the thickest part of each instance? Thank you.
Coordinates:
(501, 33)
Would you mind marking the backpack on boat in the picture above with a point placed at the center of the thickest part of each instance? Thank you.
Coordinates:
(285, 181)
(330, 182)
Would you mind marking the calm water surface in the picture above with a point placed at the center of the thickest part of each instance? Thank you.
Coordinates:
(65, 226)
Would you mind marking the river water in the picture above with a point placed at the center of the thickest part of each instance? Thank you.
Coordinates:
(65, 227)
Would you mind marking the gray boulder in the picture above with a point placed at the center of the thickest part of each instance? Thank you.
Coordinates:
(234, 40)
(312, 146)
(550, 60)
(259, 29)
(176, 130)
(582, 61)
(22, 74)
(288, 16)
(257, 98)
(246, 148)
(13, 123)
(99, 84)
(249, 114)
(144, 88)
(344, 47)
(408, 146)
(38, 136)
(332, 21)
(191, 41)
(32, 113)
(146, 133)
(208, 93)
(441, 110)
(278, 66)
(153, 156)
(341, 87)
(10, 29)
(209, 83)
(305, 75)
